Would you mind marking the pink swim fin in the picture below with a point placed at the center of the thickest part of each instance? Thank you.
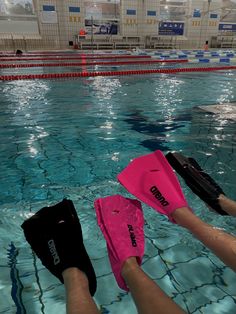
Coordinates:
(121, 222)
(151, 179)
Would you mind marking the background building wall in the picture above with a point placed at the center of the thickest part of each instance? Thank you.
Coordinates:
(202, 28)
(58, 22)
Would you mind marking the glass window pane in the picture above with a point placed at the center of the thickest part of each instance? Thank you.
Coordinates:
(102, 10)
(74, 9)
(17, 7)
(151, 13)
(228, 16)
(131, 12)
(173, 2)
(172, 13)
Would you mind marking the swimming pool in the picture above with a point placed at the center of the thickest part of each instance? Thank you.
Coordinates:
(70, 138)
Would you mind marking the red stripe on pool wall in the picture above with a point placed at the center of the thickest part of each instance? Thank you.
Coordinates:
(110, 73)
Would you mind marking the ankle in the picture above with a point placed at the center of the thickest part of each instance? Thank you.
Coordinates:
(180, 215)
(228, 205)
(129, 265)
(74, 276)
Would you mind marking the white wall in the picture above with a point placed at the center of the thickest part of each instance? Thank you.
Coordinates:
(68, 24)
(19, 27)
(129, 23)
(201, 29)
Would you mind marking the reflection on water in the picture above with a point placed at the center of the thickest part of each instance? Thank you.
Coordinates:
(70, 139)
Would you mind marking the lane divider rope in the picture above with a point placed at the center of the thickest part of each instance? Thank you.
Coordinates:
(32, 65)
(111, 73)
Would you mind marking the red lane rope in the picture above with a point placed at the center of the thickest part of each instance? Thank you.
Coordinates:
(32, 65)
(78, 58)
(110, 73)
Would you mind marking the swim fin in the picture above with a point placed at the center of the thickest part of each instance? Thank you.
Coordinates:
(197, 180)
(151, 179)
(121, 222)
(55, 235)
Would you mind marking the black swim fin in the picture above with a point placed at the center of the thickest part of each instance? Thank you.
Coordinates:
(197, 180)
(55, 235)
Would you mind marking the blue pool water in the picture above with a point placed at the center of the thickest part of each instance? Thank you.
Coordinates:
(70, 138)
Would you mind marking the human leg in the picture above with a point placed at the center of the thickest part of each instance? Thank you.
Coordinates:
(147, 295)
(156, 171)
(121, 221)
(78, 297)
(202, 184)
(227, 205)
(221, 243)
(55, 235)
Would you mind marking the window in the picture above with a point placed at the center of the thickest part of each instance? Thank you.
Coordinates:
(213, 16)
(18, 16)
(175, 3)
(170, 13)
(131, 12)
(102, 9)
(48, 8)
(17, 7)
(74, 9)
(151, 13)
(196, 13)
(102, 17)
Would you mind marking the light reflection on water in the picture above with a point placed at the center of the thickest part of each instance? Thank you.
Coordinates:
(71, 138)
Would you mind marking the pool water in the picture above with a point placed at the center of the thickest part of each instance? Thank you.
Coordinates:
(70, 138)
(113, 68)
